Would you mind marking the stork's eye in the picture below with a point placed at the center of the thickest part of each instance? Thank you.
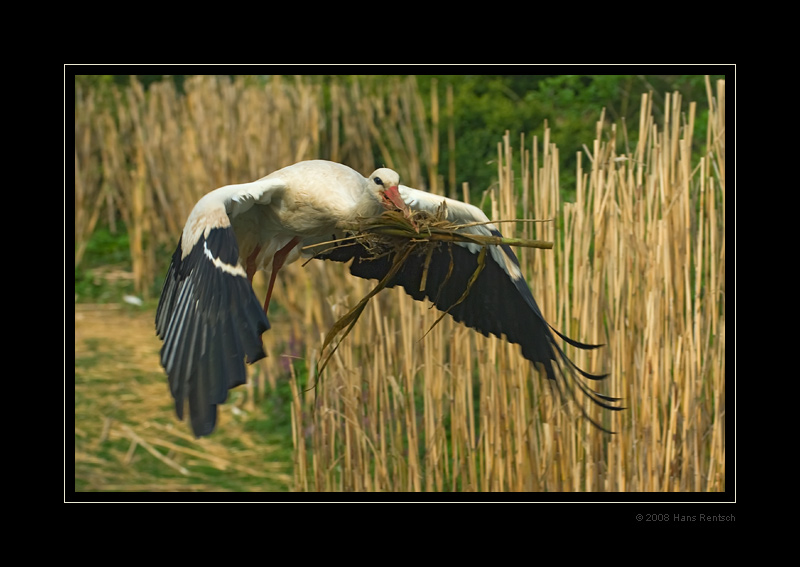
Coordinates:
(377, 181)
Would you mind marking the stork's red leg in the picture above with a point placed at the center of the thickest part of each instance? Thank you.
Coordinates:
(251, 268)
(277, 263)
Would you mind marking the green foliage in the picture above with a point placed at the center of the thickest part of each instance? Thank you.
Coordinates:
(106, 247)
(106, 81)
(102, 275)
(105, 252)
(488, 105)
(485, 106)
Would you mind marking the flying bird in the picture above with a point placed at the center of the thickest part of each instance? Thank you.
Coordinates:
(211, 322)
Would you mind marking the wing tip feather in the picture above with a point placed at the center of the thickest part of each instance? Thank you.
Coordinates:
(198, 328)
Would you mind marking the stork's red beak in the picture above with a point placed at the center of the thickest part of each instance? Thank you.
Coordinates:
(391, 196)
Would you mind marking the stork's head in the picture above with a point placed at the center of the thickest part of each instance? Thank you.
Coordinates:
(384, 182)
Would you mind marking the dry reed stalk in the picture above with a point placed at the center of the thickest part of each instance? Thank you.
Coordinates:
(636, 264)
(219, 132)
(137, 440)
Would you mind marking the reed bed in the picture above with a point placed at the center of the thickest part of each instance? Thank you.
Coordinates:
(639, 265)
(145, 158)
(403, 405)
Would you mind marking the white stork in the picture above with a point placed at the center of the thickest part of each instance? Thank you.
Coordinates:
(211, 322)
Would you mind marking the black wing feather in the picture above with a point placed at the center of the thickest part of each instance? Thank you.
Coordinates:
(496, 304)
(211, 322)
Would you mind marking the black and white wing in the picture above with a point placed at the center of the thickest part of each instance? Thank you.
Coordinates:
(208, 315)
(499, 301)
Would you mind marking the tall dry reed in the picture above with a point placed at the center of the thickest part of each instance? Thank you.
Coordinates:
(639, 264)
(146, 157)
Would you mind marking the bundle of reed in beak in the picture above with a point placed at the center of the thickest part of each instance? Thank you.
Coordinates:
(401, 233)
(392, 227)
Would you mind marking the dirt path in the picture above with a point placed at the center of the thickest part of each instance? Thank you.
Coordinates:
(127, 437)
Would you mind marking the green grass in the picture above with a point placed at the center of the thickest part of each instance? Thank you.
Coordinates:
(104, 274)
(121, 396)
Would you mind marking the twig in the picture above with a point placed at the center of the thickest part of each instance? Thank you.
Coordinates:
(430, 233)
(150, 449)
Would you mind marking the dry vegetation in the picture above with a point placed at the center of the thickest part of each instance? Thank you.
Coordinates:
(638, 264)
(126, 435)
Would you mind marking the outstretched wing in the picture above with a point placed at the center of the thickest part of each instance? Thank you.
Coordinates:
(498, 301)
(464, 214)
(208, 315)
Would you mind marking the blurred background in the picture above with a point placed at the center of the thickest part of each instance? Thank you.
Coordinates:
(628, 171)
